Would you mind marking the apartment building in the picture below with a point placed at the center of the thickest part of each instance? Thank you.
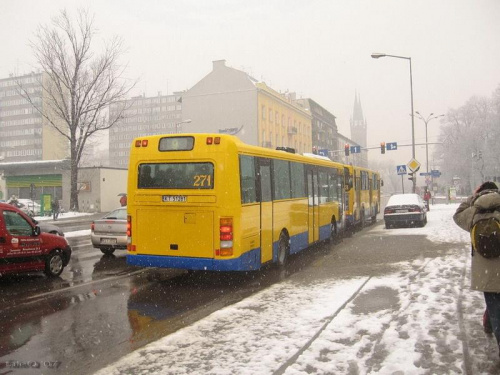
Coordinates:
(25, 135)
(161, 114)
(324, 126)
(230, 101)
(28, 139)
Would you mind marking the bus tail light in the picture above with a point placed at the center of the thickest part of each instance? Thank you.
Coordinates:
(141, 143)
(226, 236)
(130, 247)
(129, 226)
(217, 140)
(210, 140)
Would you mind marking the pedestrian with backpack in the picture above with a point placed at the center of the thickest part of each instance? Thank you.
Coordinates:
(480, 215)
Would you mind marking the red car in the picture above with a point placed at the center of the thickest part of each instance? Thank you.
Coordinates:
(23, 247)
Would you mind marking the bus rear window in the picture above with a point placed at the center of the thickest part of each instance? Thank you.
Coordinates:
(176, 176)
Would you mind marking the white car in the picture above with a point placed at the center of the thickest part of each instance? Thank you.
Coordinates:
(29, 207)
(405, 209)
(110, 232)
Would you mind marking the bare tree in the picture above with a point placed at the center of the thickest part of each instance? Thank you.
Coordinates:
(81, 84)
(470, 137)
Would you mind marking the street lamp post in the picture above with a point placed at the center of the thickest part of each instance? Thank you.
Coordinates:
(426, 121)
(378, 55)
(180, 123)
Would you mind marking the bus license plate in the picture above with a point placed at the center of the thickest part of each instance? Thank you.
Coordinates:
(174, 198)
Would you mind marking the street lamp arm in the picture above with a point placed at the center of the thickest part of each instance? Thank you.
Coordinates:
(379, 55)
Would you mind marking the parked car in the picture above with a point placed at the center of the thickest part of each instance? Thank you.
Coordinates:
(24, 247)
(405, 209)
(29, 207)
(48, 228)
(110, 232)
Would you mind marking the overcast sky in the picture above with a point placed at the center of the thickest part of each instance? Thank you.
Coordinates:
(318, 48)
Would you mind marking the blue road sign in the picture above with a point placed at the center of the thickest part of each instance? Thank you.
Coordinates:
(355, 149)
(391, 146)
(401, 169)
(435, 173)
(425, 173)
(323, 152)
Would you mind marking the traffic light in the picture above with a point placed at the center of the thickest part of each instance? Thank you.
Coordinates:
(412, 176)
(382, 147)
(346, 149)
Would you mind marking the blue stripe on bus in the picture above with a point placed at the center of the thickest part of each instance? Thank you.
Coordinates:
(297, 243)
(324, 232)
(249, 261)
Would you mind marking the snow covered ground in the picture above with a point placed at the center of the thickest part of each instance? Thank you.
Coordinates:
(422, 319)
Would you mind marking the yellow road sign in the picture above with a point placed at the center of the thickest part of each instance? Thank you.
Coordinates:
(413, 165)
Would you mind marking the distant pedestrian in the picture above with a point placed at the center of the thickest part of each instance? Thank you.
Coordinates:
(55, 208)
(485, 272)
(123, 200)
(13, 201)
(427, 198)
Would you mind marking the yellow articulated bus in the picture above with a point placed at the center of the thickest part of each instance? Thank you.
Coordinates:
(363, 196)
(211, 202)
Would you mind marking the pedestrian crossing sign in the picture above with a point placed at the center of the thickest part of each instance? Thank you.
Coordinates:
(401, 169)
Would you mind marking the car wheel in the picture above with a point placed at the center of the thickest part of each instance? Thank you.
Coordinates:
(107, 251)
(283, 250)
(54, 263)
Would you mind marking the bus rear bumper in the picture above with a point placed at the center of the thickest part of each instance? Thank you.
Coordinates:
(249, 261)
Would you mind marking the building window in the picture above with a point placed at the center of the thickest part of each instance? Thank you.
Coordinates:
(263, 112)
(270, 115)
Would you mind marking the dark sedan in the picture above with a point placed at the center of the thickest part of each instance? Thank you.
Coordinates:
(405, 209)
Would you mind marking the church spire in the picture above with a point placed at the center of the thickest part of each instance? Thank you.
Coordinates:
(358, 122)
(357, 114)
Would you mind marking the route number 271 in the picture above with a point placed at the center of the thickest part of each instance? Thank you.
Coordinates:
(202, 180)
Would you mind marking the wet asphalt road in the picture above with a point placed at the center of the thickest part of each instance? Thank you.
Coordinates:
(100, 309)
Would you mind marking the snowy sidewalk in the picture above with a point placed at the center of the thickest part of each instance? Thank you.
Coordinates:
(422, 319)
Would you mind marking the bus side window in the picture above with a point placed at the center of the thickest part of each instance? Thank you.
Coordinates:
(281, 178)
(247, 183)
(298, 181)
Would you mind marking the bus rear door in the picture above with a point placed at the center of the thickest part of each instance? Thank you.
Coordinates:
(313, 204)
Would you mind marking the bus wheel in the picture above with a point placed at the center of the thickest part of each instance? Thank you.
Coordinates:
(283, 249)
